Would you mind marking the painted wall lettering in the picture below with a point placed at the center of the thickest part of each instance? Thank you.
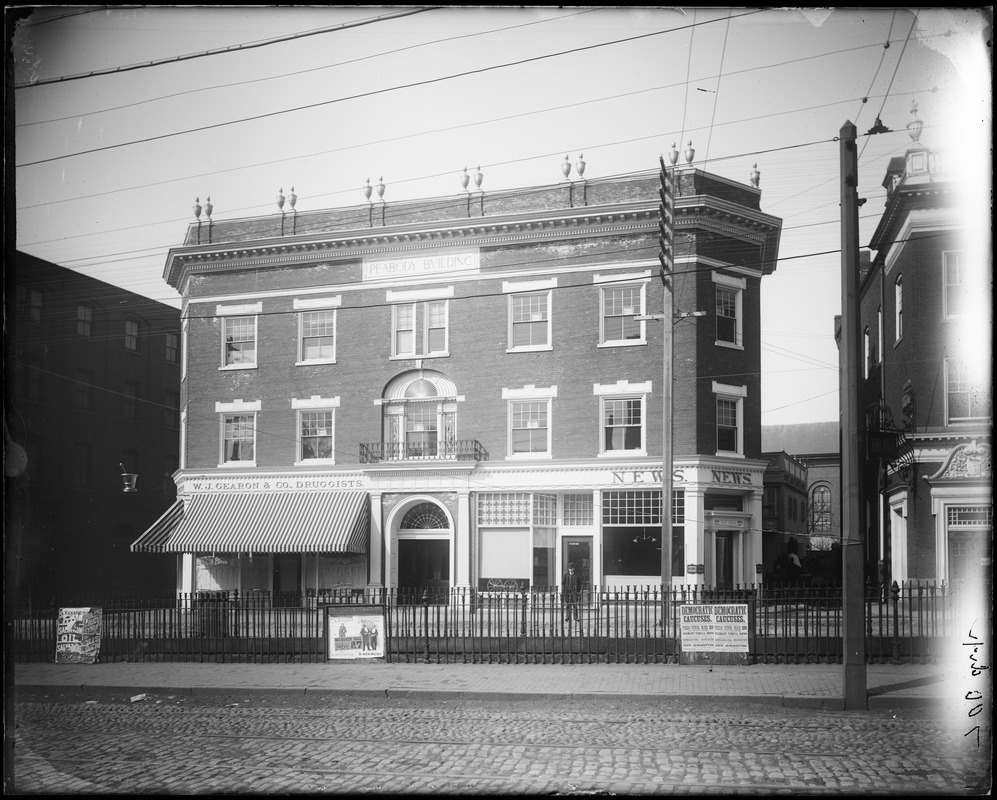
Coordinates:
(730, 476)
(649, 476)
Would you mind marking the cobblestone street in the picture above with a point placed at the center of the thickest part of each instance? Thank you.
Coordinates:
(258, 743)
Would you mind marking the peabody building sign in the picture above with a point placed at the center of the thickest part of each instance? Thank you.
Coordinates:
(415, 266)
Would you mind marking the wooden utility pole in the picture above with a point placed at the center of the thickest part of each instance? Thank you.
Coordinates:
(852, 549)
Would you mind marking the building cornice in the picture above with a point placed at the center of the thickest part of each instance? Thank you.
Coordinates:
(918, 221)
(633, 217)
(443, 235)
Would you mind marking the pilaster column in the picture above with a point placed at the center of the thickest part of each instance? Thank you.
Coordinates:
(696, 538)
(376, 545)
(462, 541)
(755, 548)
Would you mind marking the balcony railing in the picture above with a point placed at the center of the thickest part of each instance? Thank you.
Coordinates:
(454, 450)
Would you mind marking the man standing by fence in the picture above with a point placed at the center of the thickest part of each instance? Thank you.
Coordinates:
(571, 588)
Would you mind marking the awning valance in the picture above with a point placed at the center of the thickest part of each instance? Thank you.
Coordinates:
(266, 522)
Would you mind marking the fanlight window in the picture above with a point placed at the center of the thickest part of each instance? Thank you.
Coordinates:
(420, 412)
(425, 516)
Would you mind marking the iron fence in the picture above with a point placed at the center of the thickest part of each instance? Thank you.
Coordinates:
(631, 625)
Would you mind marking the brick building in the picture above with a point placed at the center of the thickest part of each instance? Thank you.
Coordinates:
(92, 384)
(458, 392)
(925, 306)
(816, 446)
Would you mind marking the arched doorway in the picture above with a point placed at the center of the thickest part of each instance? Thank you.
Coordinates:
(424, 550)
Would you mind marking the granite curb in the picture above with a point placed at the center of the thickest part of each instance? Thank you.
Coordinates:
(820, 702)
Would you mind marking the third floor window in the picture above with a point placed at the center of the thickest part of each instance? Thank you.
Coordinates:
(529, 321)
(239, 341)
(84, 321)
(420, 329)
(318, 335)
(956, 291)
(131, 335)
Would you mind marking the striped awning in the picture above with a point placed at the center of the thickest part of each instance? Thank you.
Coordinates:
(267, 522)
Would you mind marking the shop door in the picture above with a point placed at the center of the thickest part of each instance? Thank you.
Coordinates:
(577, 550)
(725, 548)
(286, 579)
(424, 565)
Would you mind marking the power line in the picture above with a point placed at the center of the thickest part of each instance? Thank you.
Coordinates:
(224, 50)
(371, 93)
(145, 102)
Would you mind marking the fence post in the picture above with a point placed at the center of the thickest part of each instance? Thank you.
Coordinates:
(895, 592)
(425, 619)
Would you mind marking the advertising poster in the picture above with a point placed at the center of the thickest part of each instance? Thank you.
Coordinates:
(77, 635)
(715, 628)
(355, 632)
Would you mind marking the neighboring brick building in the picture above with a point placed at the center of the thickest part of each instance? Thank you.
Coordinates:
(925, 308)
(93, 382)
(456, 391)
(816, 446)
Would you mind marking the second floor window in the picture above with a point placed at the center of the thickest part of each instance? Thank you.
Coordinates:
(84, 321)
(318, 336)
(316, 435)
(81, 465)
(898, 299)
(820, 509)
(173, 348)
(171, 410)
(238, 438)
(84, 390)
(131, 400)
(969, 397)
(419, 329)
(35, 299)
(131, 335)
(728, 425)
(866, 353)
(622, 424)
(530, 430)
(239, 341)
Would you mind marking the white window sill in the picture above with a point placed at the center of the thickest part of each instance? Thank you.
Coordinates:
(624, 343)
(315, 462)
(729, 454)
(529, 457)
(410, 356)
(237, 464)
(537, 349)
(622, 453)
(313, 361)
(231, 367)
(729, 345)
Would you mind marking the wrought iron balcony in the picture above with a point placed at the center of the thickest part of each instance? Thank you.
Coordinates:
(453, 450)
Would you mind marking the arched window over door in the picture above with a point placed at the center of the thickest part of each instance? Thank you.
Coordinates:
(425, 516)
(420, 416)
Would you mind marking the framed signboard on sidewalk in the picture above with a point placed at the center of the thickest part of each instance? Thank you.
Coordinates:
(355, 632)
(77, 635)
